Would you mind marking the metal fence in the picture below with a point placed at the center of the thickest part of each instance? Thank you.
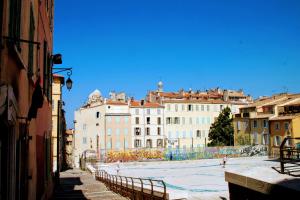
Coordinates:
(134, 188)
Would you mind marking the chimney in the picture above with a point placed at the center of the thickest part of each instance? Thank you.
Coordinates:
(142, 102)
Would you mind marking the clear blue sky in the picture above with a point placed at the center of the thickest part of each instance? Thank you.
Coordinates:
(129, 45)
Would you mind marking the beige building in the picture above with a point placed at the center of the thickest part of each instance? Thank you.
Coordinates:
(147, 124)
(101, 126)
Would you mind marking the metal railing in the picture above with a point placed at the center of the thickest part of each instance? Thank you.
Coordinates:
(290, 156)
(134, 188)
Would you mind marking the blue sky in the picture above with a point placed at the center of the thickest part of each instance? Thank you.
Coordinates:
(129, 45)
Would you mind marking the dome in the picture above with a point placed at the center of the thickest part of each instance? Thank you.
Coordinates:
(160, 84)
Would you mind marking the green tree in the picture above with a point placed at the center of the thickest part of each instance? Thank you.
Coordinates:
(221, 131)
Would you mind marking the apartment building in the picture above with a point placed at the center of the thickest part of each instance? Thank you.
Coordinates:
(187, 122)
(26, 29)
(255, 122)
(285, 124)
(147, 124)
(102, 125)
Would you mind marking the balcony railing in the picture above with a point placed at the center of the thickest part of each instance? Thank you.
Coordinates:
(290, 156)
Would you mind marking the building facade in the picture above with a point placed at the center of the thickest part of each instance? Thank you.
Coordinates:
(147, 124)
(26, 29)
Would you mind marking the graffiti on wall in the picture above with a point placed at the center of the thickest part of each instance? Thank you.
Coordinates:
(185, 154)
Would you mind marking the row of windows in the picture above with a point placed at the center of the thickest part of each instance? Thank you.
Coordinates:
(185, 134)
(191, 107)
(138, 143)
(137, 131)
(117, 145)
(198, 120)
(148, 120)
(117, 132)
(148, 111)
(117, 119)
(265, 124)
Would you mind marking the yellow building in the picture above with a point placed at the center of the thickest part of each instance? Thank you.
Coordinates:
(57, 122)
(287, 123)
(251, 125)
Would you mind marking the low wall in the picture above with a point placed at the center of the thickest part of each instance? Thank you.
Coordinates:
(186, 154)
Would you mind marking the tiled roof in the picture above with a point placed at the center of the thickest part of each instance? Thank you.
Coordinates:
(118, 103)
(217, 101)
(146, 104)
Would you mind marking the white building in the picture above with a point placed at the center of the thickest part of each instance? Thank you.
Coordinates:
(147, 124)
(187, 122)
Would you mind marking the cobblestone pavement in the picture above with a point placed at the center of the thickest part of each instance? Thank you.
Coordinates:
(77, 184)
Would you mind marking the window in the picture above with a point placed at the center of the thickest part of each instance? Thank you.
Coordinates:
(207, 108)
(202, 107)
(149, 143)
(109, 131)
(147, 131)
(158, 111)
(203, 120)
(190, 107)
(159, 143)
(109, 119)
(84, 126)
(221, 107)
(176, 107)
(215, 108)
(159, 121)
(198, 133)
(191, 120)
(137, 143)
(118, 145)
(137, 131)
(176, 120)
(125, 131)
(183, 120)
(158, 131)
(30, 46)
(137, 120)
(254, 124)
(277, 126)
(118, 132)
(265, 139)
(84, 140)
(197, 120)
(168, 120)
(208, 120)
(126, 120)
(136, 111)
(53, 105)
(191, 134)
(184, 134)
(177, 134)
(169, 107)
(286, 126)
(117, 120)
(108, 145)
(169, 134)
(238, 125)
(148, 120)
(277, 140)
(197, 107)
(148, 111)
(15, 20)
(265, 123)
(126, 144)
(97, 114)
(182, 107)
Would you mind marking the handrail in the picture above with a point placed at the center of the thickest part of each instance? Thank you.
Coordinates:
(289, 154)
(136, 189)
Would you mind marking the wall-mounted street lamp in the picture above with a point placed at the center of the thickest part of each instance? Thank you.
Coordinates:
(57, 59)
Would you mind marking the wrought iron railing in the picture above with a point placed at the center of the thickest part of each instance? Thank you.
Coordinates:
(134, 188)
(290, 156)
